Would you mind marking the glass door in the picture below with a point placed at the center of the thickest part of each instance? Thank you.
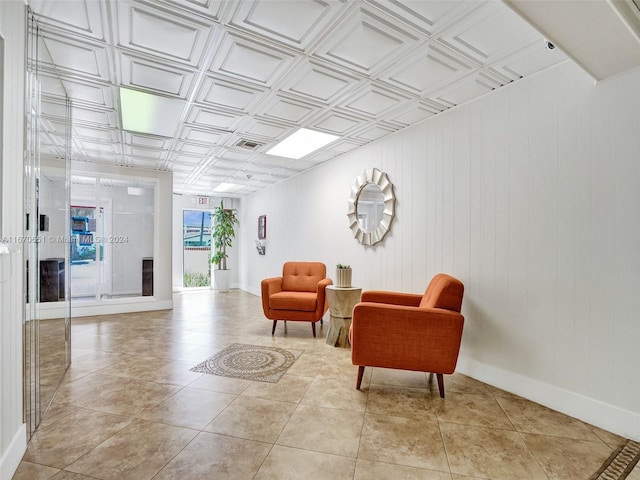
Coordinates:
(196, 248)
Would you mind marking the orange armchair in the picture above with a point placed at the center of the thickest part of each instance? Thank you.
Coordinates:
(409, 331)
(298, 295)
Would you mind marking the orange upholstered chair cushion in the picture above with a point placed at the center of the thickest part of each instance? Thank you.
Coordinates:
(444, 291)
(304, 301)
(302, 276)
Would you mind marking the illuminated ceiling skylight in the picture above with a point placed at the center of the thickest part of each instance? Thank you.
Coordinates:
(301, 143)
(227, 188)
(152, 114)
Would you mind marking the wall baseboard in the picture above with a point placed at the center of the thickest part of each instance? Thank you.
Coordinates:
(14, 453)
(111, 307)
(602, 415)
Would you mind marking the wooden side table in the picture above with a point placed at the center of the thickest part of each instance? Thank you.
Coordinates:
(341, 303)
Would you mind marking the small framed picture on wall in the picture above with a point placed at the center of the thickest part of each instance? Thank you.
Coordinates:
(262, 227)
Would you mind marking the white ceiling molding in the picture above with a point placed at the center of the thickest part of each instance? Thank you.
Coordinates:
(600, 36)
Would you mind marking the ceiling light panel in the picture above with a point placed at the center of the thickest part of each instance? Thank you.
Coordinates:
(152, 114)
(301, 143)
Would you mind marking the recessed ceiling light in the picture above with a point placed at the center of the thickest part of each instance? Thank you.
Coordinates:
(302, 143)
(227, 188)
(152, 114)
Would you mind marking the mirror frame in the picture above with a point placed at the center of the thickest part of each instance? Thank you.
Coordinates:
(379, 178)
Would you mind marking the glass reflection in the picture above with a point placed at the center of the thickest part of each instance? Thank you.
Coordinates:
(370, 207)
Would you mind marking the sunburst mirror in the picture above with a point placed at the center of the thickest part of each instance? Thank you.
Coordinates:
(371, 207)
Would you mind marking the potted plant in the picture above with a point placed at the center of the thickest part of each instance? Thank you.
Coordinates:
(222, 235)
(343, 276)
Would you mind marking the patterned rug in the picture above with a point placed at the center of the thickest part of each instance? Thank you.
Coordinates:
(621, 462)
(251, 362)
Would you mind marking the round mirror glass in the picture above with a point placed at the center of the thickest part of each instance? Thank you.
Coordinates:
(370, 207)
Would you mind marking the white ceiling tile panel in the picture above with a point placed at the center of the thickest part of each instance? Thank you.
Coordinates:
(213, 118)
(338, 123)
(154, 76)
(73, 57)
(268, 131)
(270, 161)
(186, 159)
(144, 163)
(373, 101)
(187, 168)
(489, 33)
(103, 118)
(91, 146)
(206, 136)
(53, 108)
(103, 134)
(159, 32)
(213, 9)
(373, 132)
(365, 40)
(237, 155)
(272, 19)
(50, 85)
(428, 69)
(86, 17)
(279, 107)
(89, 93)
(428, 17)
(312, 80)
(146, 141)
(256, 62)
(145, 152)
(194, 149)
(413, 114)
(467, 89)
(216, 92)
(343, 146)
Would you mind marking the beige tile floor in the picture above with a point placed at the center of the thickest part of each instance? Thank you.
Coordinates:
(129, 408)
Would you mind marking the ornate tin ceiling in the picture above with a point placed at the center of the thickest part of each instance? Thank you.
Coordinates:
(249, 73)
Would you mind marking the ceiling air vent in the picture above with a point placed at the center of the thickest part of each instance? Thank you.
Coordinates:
(247, 144)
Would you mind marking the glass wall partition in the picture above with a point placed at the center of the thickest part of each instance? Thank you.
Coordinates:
(112, 247)
(47, 319)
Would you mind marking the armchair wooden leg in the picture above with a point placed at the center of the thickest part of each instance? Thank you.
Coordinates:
(313, 329)
(440, 378)
(273, 330)
(360, 374)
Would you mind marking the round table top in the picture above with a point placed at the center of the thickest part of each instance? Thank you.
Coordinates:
(335, 287)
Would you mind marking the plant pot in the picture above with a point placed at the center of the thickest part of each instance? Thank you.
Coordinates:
(343, 277)
(222, 279)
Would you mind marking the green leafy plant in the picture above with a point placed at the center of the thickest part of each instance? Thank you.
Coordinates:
(196, 279)
(223, 233)
(342, 266)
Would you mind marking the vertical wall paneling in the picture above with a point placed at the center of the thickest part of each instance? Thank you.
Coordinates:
(530, 195)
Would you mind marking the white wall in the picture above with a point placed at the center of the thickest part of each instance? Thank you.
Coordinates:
(530, 195)
(13, 440)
